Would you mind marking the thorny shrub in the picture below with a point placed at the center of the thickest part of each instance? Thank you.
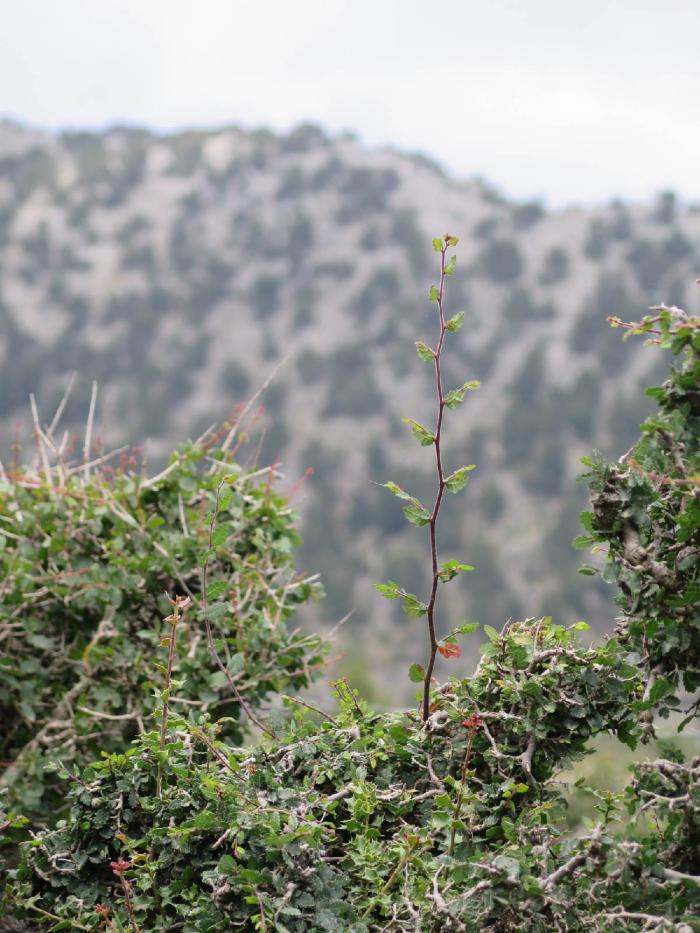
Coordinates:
(362, 821)
(87, 563)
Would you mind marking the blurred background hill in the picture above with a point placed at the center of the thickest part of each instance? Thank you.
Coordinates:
(178, 269)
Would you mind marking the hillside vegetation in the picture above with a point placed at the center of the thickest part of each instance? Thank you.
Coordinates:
(448, 818)
(178, 270)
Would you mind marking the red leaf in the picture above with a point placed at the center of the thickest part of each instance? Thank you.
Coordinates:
(450, 650)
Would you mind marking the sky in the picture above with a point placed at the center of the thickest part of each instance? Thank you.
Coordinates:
(569, 102)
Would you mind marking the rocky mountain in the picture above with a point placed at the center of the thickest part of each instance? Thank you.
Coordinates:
(178, 270)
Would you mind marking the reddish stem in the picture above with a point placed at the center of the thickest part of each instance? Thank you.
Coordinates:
(438, 499)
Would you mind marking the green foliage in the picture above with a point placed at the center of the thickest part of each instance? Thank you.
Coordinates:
(87, 564)
(347, 824)
(309, 832)
(645, 512)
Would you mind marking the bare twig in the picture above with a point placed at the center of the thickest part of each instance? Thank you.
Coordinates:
(88, 431)
(249, 404)
(61, 405)
(38, 433)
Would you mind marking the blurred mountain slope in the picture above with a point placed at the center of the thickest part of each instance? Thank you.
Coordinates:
(178, 270)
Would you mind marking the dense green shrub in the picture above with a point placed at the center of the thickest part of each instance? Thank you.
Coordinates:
(349, 824)
(87, 563)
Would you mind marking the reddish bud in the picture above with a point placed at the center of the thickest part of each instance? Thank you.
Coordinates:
(473, 723)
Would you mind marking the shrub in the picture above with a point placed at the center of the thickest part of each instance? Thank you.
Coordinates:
(88, 559)
(349, 824)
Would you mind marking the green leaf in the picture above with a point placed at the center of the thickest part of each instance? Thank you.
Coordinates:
(399, 492)
(217, 589)
(438, 245)
(417, 515)
(661, 688)
(455, 397)
(508, 865)
(455, 322)
(424, 352)
(451, 240)
(582, 542)
(40, 641)
(451, 265)
(467, 628)
(459, 479)
(492, 634)
(413, 607)
(581, 626)
(220, 536)
(205, 820)
(207, 556)
(434, 293)
(416, 673)
(451, 568)
(587, 571)
(235, 663)
(416, 511)
(420, 432)
(586, 519)
(226, 865)
(389, 590)
(218, 610)
(225, 498)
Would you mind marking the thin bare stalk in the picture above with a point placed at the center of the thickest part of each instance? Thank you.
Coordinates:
(40, 439)
(88, 431)
(119, 867)
(472, 724)
(61, 405)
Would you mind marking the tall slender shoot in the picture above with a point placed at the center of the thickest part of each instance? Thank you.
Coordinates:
(415, 511)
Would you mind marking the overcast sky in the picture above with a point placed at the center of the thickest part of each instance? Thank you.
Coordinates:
(573, 101)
